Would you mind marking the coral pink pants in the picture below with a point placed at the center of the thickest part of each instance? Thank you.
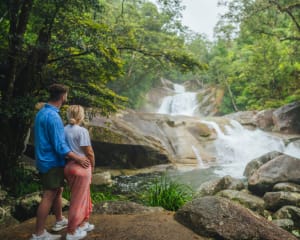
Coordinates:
(79, 180)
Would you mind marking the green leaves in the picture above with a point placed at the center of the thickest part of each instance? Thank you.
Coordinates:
(168, 194)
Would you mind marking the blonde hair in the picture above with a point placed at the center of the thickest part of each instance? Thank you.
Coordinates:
(75, 114)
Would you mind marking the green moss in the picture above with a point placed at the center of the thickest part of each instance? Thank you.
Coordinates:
(204, 130)
(171, 123)
(105, 135)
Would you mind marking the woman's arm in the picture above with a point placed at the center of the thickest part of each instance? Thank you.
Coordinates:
(89, 153)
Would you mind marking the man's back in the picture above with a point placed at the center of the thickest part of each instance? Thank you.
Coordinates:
(49, 139)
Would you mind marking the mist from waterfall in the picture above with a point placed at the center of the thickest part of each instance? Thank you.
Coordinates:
(236, 146)
(182, 103)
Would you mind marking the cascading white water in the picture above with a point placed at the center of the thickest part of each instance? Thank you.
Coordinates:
(182, 103)
(238, 145)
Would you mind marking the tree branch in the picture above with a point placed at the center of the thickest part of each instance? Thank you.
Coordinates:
(68, 56)
(288, 9)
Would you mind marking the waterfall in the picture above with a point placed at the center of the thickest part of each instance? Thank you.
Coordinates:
(182, 103)
(238, 145)
(198, 156)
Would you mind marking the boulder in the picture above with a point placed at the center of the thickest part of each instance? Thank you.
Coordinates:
(288, 212)
(26, 206)
(103, 178)
(286, 224)
(252, 202)
(6, 219)
(130, 139)
(221, 218)
(276, 200)
(286, 118)
(264, 119)
(282, 168)
(244, 117)
(254, 164)
(214, 186)
(286, 187)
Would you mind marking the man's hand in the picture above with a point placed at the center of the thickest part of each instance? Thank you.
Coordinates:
(83, 161)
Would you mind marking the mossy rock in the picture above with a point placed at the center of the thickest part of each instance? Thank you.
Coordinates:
(203, 130)
(102, 134)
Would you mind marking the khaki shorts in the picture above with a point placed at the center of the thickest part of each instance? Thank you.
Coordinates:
(54, 178)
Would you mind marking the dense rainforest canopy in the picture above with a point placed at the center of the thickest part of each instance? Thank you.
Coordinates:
(111, 52)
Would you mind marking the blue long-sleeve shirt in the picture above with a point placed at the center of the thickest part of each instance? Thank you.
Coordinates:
(49, 139)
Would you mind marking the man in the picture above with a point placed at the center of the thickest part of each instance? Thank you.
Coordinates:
(51, 150)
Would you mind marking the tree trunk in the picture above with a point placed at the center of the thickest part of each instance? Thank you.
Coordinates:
(231, 97)
(22, 84)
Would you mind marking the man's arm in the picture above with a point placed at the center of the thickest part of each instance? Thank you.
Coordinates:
(82, 160)
(89, 152)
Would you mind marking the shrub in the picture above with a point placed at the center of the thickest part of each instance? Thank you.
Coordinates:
(167, 194)
(27, 181)
(98, 194)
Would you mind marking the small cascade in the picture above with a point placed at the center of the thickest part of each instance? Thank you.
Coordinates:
(182, 103)
(238, 145)
(198, 156)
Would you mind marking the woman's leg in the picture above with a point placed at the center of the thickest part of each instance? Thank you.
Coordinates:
(79, 181)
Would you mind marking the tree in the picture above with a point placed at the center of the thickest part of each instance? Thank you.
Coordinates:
(33, 32)
(81, 43)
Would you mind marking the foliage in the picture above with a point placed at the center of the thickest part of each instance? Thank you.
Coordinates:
(98, 194)
(87, 45)
(27, 182)
(152, 48)
(255, 57)
(167, 194)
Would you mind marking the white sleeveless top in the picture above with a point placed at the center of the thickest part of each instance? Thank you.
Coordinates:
(77, 137)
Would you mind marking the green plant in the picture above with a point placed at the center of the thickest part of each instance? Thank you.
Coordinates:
(167, 194)
(98, 194)
(27, 181)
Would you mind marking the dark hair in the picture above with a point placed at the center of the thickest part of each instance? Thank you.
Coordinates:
(56, 90)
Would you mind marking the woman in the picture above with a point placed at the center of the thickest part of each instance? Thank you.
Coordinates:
(78, 176)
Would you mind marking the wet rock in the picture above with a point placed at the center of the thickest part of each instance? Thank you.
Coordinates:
(216, 185)
(254, 164)
(286, 118)
(244, 117)
(264, 119)
(283, 168)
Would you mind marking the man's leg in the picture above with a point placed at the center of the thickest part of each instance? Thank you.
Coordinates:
(44, 209)
(57, 205)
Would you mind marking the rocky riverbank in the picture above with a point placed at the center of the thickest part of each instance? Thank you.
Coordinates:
(265, 207)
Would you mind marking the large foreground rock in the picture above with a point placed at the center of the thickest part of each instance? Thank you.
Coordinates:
(222, 219)
(146, 226)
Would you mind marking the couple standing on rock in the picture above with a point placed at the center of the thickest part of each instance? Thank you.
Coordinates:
(54, 146)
